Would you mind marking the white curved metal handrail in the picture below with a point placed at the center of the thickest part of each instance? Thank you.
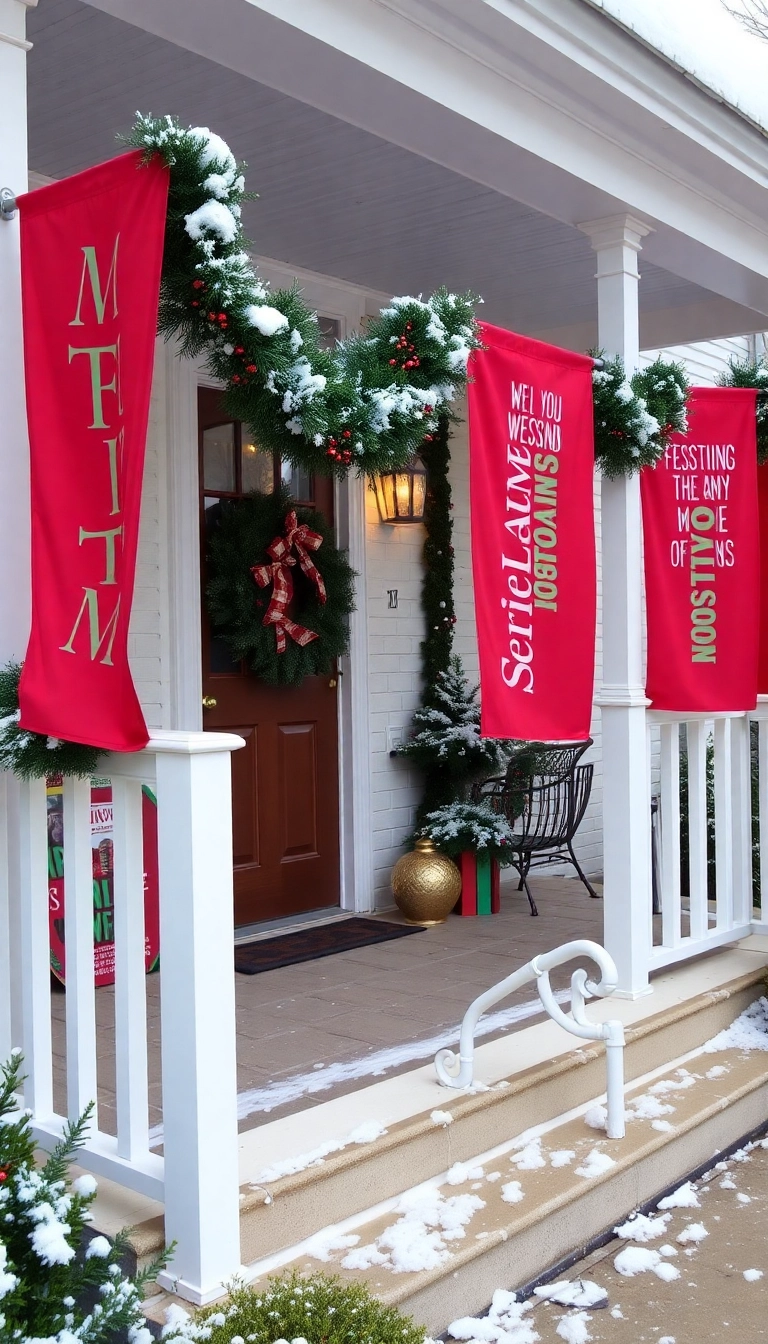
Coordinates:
(576, 1022)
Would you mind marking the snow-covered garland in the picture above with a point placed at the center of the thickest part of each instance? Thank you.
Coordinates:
(635, 418)
(370, 402)
(363, 406)
(33, 755)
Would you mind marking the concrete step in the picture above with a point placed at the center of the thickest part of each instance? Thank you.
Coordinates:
(275, 1213)
(440, 1250)
(530, 1077)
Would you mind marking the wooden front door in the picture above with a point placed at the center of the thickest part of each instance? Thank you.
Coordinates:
(285, 780)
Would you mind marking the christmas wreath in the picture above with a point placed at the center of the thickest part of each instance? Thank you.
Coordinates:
(280, 592)
(33, 755)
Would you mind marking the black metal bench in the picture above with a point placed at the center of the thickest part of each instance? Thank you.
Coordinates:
(543, 795)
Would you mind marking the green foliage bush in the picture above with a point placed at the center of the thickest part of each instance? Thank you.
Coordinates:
(295, 1310)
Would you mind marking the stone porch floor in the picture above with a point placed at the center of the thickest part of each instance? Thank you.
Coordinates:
(310, 1032)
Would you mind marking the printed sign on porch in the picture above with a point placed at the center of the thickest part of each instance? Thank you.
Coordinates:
(102, 837)
(91, 252)
(533, 539)
(702, 578)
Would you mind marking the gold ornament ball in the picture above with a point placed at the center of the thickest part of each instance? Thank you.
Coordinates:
(425, 884)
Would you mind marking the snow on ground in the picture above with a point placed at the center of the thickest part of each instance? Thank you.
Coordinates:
(507, 1322)
(595, 1164)
(418, 1239)
(750, 1030)
(684, 1197)
(678, 1310)
(367, 1132)
(573, 1293)
(641, 1227)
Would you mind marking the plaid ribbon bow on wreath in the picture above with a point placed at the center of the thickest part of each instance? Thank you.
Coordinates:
(299, 539)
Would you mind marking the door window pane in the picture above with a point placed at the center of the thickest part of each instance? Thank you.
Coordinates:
(258, 469)
(219, 458)
(299, 483)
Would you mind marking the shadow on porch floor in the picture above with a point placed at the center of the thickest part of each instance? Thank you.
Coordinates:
(311, 1032)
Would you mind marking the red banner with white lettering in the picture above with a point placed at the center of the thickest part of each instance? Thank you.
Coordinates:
(702, 558)
(533, 537)
(91, 255)
(762, 504)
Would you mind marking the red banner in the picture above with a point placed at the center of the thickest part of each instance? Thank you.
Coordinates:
(762, 504)
(91, 257)
(702, 579)
(533, 538)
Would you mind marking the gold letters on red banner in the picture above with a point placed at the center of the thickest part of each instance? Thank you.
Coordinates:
(91, 260)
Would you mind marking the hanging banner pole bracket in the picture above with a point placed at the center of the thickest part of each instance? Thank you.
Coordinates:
(7, 203)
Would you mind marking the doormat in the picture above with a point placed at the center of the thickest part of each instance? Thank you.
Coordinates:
(268, 954)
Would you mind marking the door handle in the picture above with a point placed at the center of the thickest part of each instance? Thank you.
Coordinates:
(332, 683)
(209, 702)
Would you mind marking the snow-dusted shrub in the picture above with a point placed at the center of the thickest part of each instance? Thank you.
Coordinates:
(295, 1310)
(56, 1287)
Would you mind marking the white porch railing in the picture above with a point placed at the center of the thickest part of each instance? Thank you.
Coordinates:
(705, 897)
(197, 1175)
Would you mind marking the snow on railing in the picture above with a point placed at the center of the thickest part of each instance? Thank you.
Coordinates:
(612, 1033)
(196, 1178)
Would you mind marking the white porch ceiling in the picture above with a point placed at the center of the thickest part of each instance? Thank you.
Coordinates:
(334, 198)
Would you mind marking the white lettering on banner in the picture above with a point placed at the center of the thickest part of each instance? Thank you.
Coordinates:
(701, 471)
(529, 558)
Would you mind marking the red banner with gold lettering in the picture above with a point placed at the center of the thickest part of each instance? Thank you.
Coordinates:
(91, 257)
(533, 538)
(702, 558)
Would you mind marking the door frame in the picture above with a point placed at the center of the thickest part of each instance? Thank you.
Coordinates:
(181, 381)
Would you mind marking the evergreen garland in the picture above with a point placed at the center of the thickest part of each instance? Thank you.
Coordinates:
(751, 373)
(237, 605)
(33, 755)
(437, 580)
(445, 739)
(634, 418)
(366, 404)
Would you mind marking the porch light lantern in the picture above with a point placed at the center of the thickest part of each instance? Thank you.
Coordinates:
(401, 494)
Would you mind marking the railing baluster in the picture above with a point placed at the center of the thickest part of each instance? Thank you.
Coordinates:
(697, 828)
(35, 947)
(724, 816)
(741, 794)
(78, 930)
(130, 980)
(670, 834)
(6, 1029)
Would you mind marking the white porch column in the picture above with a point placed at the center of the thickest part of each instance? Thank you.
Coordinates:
(14, 474)
(14, 451)
(626, 776)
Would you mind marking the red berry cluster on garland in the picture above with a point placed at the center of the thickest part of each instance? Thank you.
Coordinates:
(339, 451)
(407, 359)
(248, 366)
